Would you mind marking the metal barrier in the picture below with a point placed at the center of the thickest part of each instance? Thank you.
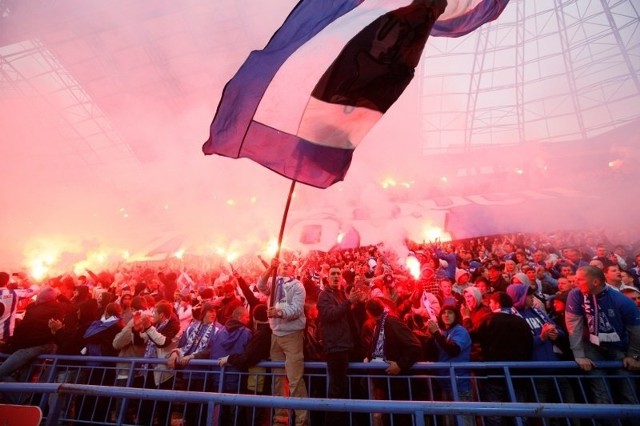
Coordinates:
(70, 391)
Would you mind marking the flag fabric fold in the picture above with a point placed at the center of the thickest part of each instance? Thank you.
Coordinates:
(302, 104)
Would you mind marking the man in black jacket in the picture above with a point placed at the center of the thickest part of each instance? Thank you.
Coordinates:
(396, 345)
(336, 322)
(503, 336)
(32, 337)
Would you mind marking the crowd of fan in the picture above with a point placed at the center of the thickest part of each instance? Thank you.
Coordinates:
(448, 302)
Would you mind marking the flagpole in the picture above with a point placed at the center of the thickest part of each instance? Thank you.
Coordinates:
(280, 236)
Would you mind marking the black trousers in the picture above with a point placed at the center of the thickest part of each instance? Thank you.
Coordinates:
(337, 367)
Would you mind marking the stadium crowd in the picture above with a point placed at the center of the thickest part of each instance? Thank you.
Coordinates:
(518, 297)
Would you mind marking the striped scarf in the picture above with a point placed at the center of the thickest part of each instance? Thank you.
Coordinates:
(600, 329)
(378, 337)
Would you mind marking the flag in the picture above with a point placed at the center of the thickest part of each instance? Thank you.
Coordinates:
(303, 104)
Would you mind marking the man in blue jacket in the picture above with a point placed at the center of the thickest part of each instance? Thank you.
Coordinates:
(603, 325)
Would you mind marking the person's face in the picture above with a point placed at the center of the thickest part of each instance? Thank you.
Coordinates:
(482, 286)
(445, 287)
(613, 275)
(601, 251)
(470, 300)
(494, 273)
(627, 279)
(633, 295)
(563, 285)
(573, 280)
(157, 317)
(448, 317)
(529, 301)
(531, 274)
(566, 271)
(510, 266)
(334, 278)
(586, 284)
(287, 269)
(571, 254)
(126, 301)
(210, 316)
(493, 305)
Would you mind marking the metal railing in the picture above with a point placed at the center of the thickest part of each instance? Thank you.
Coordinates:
(70, 391)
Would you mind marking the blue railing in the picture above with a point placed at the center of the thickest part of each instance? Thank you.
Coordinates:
(68, 390)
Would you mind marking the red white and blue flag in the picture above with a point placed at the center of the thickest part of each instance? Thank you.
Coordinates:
(303, 104)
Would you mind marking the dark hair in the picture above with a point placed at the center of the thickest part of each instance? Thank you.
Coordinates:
(481, 278)
(138, 303)
(452, 308)
(609, 266)
(502, 299)
(260, 313)
(206, 307)
(164, 307)
(112, 309)
(375, 307)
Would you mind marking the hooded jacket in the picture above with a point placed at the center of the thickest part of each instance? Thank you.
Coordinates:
(473, 321)
(233, 338)
(34, 330)
(99, 338)
(543, 350)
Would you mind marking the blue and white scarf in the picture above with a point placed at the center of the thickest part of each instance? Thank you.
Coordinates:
(151, 350)
(600, 329)
(378, 337)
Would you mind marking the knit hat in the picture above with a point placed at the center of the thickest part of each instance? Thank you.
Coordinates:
(473, 265)
(523, 278)
(518, 293)
(461, 272)
(475, 292)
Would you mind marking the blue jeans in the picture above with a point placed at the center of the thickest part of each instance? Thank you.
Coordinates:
(619, 383)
